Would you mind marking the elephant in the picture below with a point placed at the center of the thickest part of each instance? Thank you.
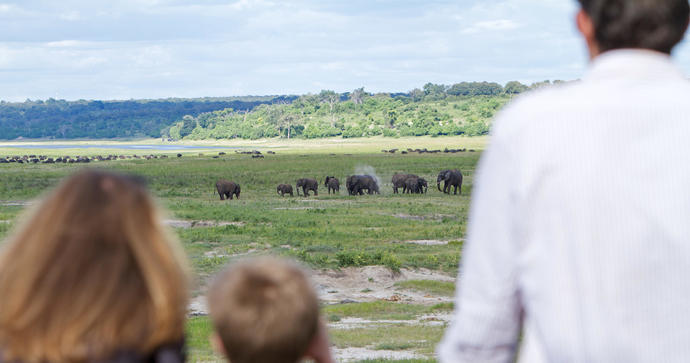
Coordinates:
(349, 183)
(307, 184)
(416, 185)
(226, 189)
(357, 183)
(332, 183)
(450, 178)
(285, 189)
(398, 181)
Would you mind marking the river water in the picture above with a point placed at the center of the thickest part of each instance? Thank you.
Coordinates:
(114, 146)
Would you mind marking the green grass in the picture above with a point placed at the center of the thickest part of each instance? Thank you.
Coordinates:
(324, 231)
(441, 288)
(199, 330)
(383, 310)
(421, 339)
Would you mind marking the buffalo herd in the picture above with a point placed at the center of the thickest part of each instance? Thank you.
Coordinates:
(427, 151)
(358, 185)
(42, 159)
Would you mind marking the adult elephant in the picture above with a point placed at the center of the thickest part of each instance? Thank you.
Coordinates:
(284, 189)
(307, 184)
(358, 183)
(226, 189)
(450, 178)
(332, 183)
(398, 181)
(349, 184)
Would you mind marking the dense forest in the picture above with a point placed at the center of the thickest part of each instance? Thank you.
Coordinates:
(459, 109)
(109, 119)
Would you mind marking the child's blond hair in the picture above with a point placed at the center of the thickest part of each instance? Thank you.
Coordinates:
(264, 310)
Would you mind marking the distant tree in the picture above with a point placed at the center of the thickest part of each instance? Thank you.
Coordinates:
(460, 89)
(188, 125)
(514, 87)
(357, 96)
(488, 89)
(416, 94)
(435, 91)
(330, 98)
(537, 85)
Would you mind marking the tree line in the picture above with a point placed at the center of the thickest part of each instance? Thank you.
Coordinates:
(460, 109)
(435, 109)
(60, 119)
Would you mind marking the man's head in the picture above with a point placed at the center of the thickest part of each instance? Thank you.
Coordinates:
(633, 24)
(264, 310)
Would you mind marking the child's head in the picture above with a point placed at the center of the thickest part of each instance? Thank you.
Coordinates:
(264, 310)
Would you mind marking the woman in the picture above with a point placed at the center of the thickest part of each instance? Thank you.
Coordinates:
(92, 276)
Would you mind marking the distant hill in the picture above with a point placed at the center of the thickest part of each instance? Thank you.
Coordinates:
(462, 108)
(61, 119)
(465, 108)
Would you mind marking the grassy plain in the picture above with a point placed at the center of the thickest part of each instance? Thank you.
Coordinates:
(328, 232)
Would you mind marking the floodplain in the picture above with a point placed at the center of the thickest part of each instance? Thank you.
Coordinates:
(384, 265)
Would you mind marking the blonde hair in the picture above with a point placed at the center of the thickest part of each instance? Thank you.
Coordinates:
(91, 272)
(264, 310)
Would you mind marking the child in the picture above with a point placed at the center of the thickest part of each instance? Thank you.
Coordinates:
(265, 311)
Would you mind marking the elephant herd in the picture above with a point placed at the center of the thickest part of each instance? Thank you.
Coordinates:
(356, 185)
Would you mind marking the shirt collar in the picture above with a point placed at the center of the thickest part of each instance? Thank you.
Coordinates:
(633, 63)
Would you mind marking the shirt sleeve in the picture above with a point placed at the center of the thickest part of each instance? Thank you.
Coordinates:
(487, 319)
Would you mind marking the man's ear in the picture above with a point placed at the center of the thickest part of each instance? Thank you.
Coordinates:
(217, 344)
(586, 27)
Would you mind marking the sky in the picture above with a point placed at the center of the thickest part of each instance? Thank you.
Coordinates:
(133, 49)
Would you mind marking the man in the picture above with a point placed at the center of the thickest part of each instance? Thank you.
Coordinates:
(579, 232)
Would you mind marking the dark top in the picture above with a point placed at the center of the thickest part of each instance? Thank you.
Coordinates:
(170, 353)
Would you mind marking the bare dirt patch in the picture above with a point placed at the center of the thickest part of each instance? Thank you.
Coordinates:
(178, 223)
(357, 354)
(356, 323)
(433, 217)
(198, 306)
(371, 283)
(428, 242)
(20, 203)
(331, 201)
(362, 284)
(216, 254)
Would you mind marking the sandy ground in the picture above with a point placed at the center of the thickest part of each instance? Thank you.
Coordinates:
(361, 284)
(370, 283)
(357, 354)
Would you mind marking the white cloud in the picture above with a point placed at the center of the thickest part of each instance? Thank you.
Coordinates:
(491, 25)
(70, 16)
(188, 48)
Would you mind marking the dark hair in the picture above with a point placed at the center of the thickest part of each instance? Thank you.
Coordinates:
(647, 24)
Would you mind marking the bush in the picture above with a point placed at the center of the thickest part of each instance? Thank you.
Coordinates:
(352, 131)
(390, 132)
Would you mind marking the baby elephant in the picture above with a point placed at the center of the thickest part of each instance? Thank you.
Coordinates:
(226, 189)
(416, 185)
(332, 183)
(284, 189)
